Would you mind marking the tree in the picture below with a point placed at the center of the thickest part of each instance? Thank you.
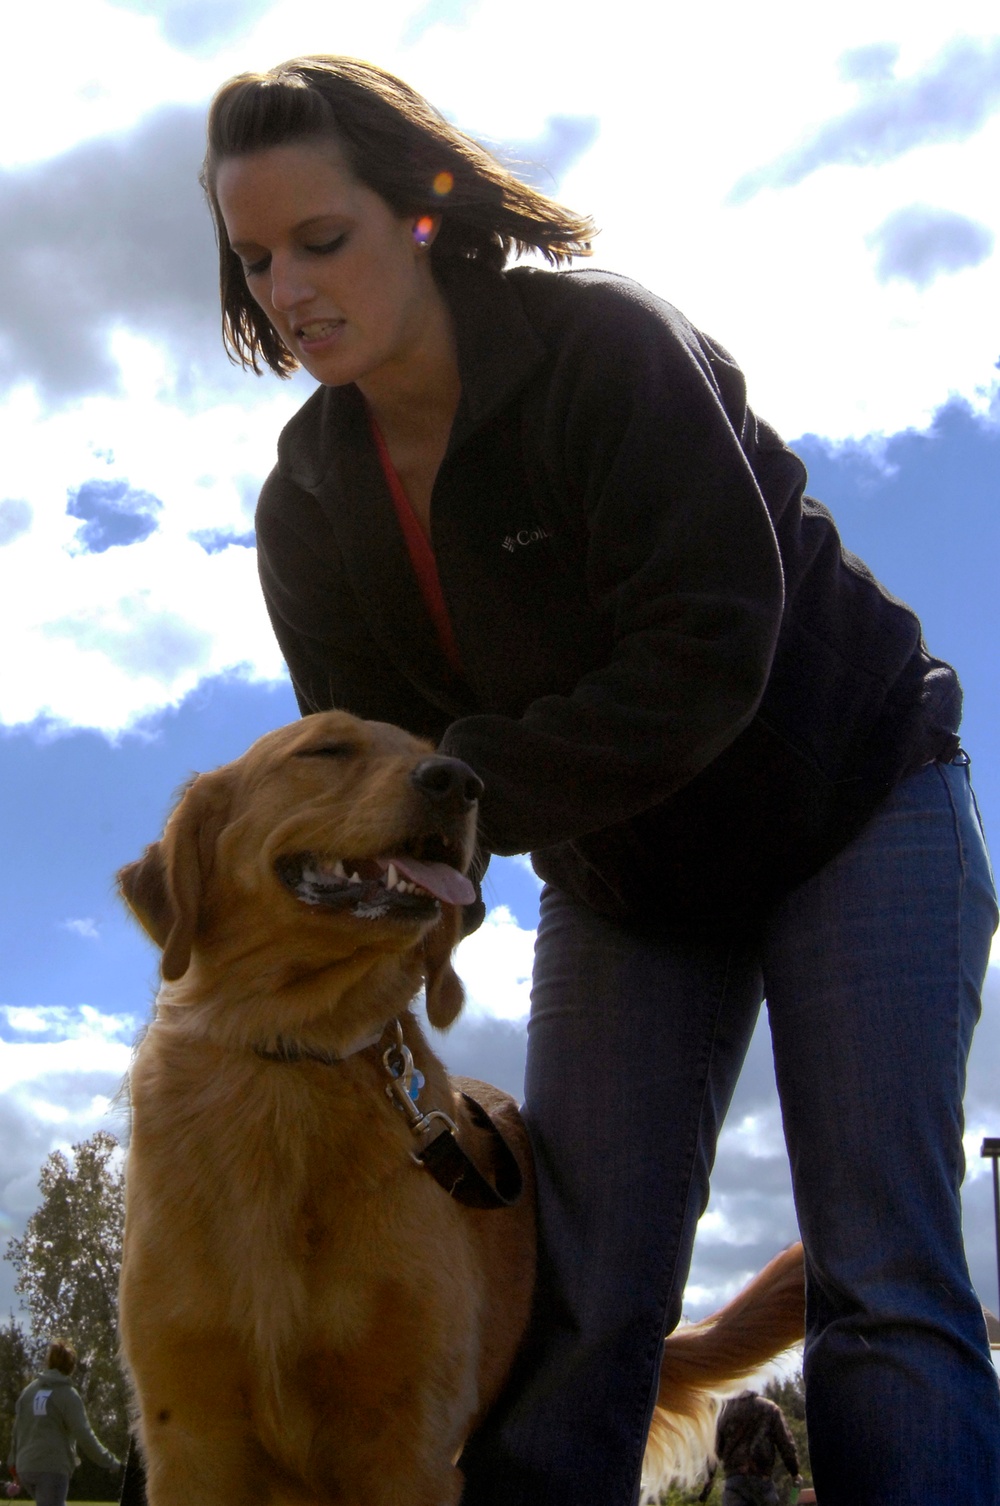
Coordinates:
(67, 1268)
(17, 1365)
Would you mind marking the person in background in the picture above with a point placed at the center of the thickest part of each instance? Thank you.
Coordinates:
(49, 1423)
(751, 1433)
(529, 515)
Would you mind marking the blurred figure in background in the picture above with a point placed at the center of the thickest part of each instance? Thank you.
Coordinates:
(751, 1433)
(49, 1423)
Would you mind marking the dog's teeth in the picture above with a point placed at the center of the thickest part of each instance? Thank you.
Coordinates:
(392, 878)
(338, 869)
(355, 877)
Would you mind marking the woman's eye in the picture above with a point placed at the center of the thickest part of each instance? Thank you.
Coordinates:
(255, 268)
(327, 246)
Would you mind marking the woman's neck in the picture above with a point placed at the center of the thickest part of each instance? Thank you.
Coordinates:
(414, 406)
(414, 400)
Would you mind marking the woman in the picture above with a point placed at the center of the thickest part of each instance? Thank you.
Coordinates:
(49, 1423)
(529, 515)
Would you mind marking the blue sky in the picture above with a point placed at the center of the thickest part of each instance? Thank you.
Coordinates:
(811, 189)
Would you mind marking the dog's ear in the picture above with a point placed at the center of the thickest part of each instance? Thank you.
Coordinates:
(143, 887)
(445, 995)
(165, 888)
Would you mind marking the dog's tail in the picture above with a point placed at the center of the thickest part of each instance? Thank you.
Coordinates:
(767, 1317)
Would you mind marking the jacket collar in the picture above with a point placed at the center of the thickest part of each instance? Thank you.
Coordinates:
(498, 349)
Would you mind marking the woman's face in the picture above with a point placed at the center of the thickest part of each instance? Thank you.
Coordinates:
(344, 280)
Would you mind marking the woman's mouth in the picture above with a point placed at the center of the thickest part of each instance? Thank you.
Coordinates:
(317, 332)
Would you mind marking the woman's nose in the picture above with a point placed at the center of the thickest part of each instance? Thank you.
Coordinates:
(289, 284)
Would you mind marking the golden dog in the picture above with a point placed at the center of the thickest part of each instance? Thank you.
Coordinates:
(308, 1317)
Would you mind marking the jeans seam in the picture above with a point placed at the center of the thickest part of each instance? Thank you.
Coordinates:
(980, 823)
(958, 1168)
(641, 1434)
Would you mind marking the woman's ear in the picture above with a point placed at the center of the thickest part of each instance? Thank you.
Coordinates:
(425, 229)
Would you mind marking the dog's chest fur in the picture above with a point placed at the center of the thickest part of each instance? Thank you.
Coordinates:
(292, 1184)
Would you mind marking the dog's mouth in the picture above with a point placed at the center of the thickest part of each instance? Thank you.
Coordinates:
(404, 883)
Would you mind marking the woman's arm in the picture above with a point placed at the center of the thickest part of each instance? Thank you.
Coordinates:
(74, 1415)
(333, 661)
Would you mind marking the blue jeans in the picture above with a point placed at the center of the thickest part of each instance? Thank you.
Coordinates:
(872, 971)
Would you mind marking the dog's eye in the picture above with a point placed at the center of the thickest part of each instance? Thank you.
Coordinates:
(329, 750)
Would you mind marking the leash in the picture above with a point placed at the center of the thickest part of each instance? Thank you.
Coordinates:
(441, 1153)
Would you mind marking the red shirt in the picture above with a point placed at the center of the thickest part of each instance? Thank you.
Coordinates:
(420, 552)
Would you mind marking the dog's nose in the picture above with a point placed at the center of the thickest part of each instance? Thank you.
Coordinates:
(447, 782)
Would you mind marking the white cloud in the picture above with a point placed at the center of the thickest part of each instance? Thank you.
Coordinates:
(757, 1135)
(102, 70)
(85, 926)
(62, 1039)
(61, 1068)
(25, 1020)
(978, 1128)
(523, 861)
(495, 964)
(117, 635)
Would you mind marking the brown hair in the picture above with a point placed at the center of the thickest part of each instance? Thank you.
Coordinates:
(61, 1356)
(399, 146)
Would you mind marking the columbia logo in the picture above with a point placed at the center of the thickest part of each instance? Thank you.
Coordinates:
(525, 536)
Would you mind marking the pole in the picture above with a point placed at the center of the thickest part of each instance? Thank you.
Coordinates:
(991, 1148)
(996, 1219)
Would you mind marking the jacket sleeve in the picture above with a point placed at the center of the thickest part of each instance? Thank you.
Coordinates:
(681, 559)
(332, 659)
(75, 1416)
(784, 1442)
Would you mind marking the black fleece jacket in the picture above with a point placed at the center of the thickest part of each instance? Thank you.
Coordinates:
(682, 693)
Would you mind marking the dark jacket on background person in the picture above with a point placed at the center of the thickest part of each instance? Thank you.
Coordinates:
(682, 693)
(49, 1423)
(750, 1435)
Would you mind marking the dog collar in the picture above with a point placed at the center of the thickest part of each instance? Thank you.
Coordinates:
(284, 1050)
(440, 1151)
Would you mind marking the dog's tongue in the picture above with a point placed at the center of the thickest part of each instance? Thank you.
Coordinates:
(438, 879)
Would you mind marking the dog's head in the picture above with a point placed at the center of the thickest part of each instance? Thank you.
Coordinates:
(331, 840)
